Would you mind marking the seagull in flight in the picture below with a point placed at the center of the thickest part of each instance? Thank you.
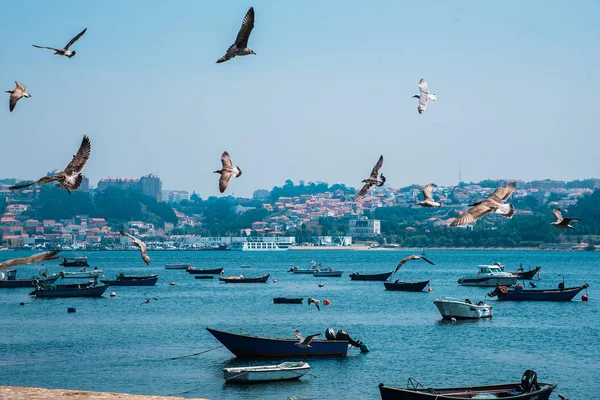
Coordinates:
(315, 302)
(36, 258)
(17, 94)
(372, 179)
(240, 46)
(410, 258)
(494, 203)
(64, 51)
(227, 171)
(428, 197)
(148, 300)
(424, 97)
(304, 343)
(562, 223)
(138, 243)
(71, 177)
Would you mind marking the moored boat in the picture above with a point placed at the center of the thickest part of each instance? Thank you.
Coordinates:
(69, 291)
(200, 271)
(529, 274)
(406, 286)
(8, 279)
(330, 272)
(131, 280)
(242, 279)
(82, 274)
(357, 276)
(490, 276)
(74, 262)
(203, 277)
(450, 308)
(288, 300)
(519, 293)
(527, 389)
(177, 266)
(266, 373)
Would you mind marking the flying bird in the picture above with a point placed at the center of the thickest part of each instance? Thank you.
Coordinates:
(138, 243)
(494, 203)
(71, 177)
(64, 51)
(304, 343)
(424, 97)
(148, 300)
(36, 258)
(227, 171)
(16, 94)
(372, 179)
(563, 223)
(315, 302)
(410, 258)
(240, 46)
(428, 197)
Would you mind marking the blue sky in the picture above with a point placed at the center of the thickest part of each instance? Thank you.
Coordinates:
(328, 91)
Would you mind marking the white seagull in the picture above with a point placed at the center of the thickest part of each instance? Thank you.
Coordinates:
(141, 245)
(315, 302)
(16, 94)
(494, 203)
(562, 223)
(240, 46)
(428, 197)
(227, 171)
(65, 50)
(304, 343)
(424, 97)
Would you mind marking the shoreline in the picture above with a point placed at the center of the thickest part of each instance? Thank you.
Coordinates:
(27, 393)
(420, 249)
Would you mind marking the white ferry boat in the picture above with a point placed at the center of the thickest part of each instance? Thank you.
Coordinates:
(263, 244)
(490, 276)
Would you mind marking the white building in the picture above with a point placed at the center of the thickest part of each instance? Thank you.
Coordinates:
(364, 227)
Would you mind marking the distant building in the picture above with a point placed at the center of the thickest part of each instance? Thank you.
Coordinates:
(150, 185)
(174, 196)
(364, 227)
(85, 185)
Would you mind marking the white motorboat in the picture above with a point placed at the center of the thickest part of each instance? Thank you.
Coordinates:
(267, 373)
(458, 309)
(490, 276)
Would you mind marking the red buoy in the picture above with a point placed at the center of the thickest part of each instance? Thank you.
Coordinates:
(429, 289)
(326, 302)
(584, 297)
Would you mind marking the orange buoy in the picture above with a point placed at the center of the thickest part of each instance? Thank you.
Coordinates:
(326, 302)
(584, 297)
(503, 289)
(172, 284)
(429, 289)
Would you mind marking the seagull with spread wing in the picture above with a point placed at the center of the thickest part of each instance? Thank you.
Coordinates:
(227, 171)
(410, 258)
(304, 343)
(315, 302)
(494, 203)
(372, 179)
(428, 197)
(71, 177)
(240, 46)
(138, 243)
(562, 223)
(17, 94)
(424, 97)
(65, 50)
(36, 258)
(147, 301)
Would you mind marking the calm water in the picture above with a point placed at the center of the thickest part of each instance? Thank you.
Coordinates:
(113, 344)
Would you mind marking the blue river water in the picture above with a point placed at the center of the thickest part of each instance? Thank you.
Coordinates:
(114, 344)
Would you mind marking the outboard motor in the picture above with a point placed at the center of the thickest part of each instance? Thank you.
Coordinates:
(529, 381)
(343, 335)
(330, 334)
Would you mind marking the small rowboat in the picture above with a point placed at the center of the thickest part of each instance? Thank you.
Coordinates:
(74, 262)
(406, 286)
(203, 277)
(177, 266)
(8, 279)
(214, 271)
(69, 291)
(241, 279)
(124, 280)
(287, 300)
(332, 274)
(283, 372)
(370, 277)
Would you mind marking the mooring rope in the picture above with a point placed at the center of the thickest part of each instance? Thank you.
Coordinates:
(195, 354)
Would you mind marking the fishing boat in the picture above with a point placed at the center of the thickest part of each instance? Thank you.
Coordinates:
(288, 300)
(244, 266)
(489, 275)
(357, 276)
(518, 293)
(296, 270)
(82, 274)
(521, 274)
(268, 373)
(241, 279)
(527, 389)
(328, 272)
(203, 277)
(8, 279)
(451, 308)
(406, 286)
(43, 290)
(132, 280)
(214, 271)
(177, 266)
(74, 262)
(256, 346)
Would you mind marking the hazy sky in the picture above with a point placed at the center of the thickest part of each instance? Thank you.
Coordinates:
(328, 91)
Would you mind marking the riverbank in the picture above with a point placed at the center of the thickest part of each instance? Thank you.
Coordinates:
(364, 247)
(25, 393)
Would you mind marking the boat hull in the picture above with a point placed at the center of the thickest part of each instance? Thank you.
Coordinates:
(74, 262)
(230, 279)
(254, 346)
(488, 281)
(460, 310)
(214, 271)
(269, 373)
(304, 271)
(331, 274)
(527, 274)
(96, 291)
(371, 277)
(24, 283)
(406, 286)
(539, 294)
(177, 266)
(132, 281)
(458, 393)
(288, 300)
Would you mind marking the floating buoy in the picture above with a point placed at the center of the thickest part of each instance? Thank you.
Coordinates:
(71, 309)
(321, 285)
(112, 294)
(274, 280)
(429, 289)
(326, 302)
(584, 297)
(172, 284)
(453, 319)
(22, 303)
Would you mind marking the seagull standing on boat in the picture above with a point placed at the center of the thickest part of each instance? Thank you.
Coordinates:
(227, 171)
(148, 300)
(304, 343)
(240, 46)
(424, 97)
(410, 258)
(315, 302)
(64, 51)
(428, 197)
(36, 258)
(138, 243)
(372, 179)
(494, 203)
(17, 94)
(71, 177)
(562, 223)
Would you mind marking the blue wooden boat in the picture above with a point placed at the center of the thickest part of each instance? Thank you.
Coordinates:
(69, 291)
(406, 286)
(357, 276)
(518, 293)
(131, 280)
(256, 346)
(8, 279)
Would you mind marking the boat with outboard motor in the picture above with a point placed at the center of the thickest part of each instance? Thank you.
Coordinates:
(132, 280)
(329, 272)
(519, 293)
(490, 276)
(357, 276)
(452, 308)
(267, 373)
(8, 279)
(89, 289)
